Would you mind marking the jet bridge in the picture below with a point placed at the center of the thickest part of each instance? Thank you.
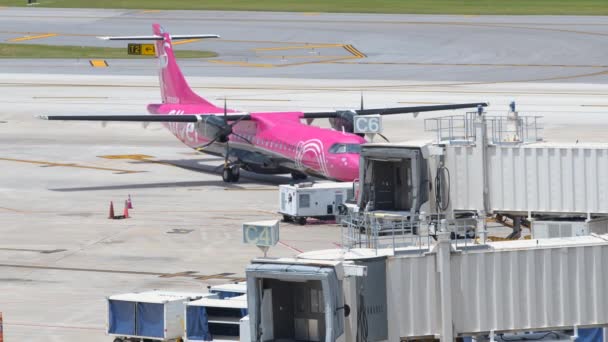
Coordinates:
(484, 165)
(445, 291)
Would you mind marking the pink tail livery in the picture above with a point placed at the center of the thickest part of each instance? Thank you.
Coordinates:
(174, 88)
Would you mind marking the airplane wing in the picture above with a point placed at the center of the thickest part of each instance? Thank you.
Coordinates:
(144, 118)
(395, 110)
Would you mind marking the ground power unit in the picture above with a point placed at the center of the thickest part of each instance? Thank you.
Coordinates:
(312, 200)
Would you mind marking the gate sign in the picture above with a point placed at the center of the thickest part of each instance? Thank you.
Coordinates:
(262, 233)
(368, 124)
(141, 49)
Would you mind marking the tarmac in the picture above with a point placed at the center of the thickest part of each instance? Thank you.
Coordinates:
(335, 46)
(60, 256)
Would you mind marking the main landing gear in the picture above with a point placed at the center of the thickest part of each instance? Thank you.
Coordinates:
(231, 174)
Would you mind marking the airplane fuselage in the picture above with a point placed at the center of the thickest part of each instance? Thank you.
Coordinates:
(276, 142)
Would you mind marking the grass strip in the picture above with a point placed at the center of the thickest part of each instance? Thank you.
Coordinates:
(466, 7)
(59, 51)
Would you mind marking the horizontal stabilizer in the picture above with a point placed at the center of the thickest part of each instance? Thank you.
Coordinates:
(155, 37)
(142, 118)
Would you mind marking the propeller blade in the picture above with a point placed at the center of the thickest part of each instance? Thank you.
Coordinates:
(361, 100)
(228, 140)
(225, 108)
(383, 137)
(242, 137)
(237, 121)
(207, 144)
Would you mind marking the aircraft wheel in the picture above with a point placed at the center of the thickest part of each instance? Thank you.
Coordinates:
(287, 218)
(236, 173)
(227, 175)
(301, 221)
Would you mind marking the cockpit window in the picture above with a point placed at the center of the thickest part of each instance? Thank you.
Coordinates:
(345, 148)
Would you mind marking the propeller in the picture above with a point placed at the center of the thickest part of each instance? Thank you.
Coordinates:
(227, 130)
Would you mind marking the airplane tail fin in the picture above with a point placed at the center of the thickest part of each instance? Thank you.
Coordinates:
(173, 86)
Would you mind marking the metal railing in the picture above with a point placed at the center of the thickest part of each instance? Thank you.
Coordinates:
(453, 128)
(381, 230)
(513, 129)
(506, 129)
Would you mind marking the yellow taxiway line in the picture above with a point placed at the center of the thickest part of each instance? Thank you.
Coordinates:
(98, 63)
(45, 163)
(39, 36)
(186, 41)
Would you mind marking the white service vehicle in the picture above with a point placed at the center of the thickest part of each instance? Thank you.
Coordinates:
(317, 200)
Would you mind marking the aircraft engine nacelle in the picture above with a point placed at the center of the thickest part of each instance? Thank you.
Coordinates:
(214, 127)
(344, 121)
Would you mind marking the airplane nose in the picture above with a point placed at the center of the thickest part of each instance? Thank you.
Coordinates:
(354, 160)
(349, 167)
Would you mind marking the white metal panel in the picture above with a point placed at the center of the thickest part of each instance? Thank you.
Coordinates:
(244, 333)
(532, 288)
(533, 177)
(412, 301)
(519, 285)
(174, 319)
(466, 187)
(233, 303)
(155, 296)
(240, 287)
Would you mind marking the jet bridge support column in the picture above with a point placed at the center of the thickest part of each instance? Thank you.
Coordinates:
(443, 250)
(481, 154)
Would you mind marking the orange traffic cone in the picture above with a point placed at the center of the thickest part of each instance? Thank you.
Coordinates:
(126, 211)
(129, 202)
(111, 215)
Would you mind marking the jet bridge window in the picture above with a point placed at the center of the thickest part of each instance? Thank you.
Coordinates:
(345, 148)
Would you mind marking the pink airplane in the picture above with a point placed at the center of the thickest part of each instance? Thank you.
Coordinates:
(270, 143)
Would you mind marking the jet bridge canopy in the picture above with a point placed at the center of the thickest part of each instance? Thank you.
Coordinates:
(269, 285)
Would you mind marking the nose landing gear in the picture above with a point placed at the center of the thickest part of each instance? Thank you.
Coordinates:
(231, 173)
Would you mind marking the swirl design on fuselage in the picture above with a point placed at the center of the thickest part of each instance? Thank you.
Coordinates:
(315, 147)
